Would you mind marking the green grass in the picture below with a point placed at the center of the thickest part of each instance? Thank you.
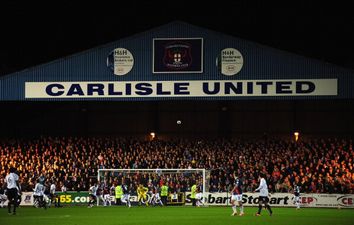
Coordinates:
(174, 215)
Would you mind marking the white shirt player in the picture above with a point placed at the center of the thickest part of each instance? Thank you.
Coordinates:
(11, 180)
(263, 188)
(93, 190)
(38, 190)
(52, 188)
(3, 197)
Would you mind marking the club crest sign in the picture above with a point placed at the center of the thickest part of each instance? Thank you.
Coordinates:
(182, 55)
(177, 56)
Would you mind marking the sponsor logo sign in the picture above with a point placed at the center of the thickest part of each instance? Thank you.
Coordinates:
(220, 199)
(120, 61)
(281, 200)
(346, 201)
(231, 61)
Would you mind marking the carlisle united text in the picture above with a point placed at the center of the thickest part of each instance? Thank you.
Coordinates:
(196, 88)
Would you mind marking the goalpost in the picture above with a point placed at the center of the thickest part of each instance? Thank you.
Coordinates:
(183, 177)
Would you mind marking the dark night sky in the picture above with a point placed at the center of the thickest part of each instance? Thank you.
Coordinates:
(36, 34)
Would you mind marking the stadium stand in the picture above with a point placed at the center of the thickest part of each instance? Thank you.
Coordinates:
(320, 165)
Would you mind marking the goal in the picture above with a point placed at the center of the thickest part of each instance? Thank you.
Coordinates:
(179, 180)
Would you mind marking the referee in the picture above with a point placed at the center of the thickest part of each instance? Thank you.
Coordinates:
(11, 182)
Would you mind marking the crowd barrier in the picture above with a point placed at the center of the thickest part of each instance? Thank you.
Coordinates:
(223, 199)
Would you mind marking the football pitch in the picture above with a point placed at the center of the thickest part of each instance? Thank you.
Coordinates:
(174, 215)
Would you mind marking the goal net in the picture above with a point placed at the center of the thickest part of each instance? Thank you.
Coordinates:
(179, 182)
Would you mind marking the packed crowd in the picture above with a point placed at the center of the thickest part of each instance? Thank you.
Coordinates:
(317, 165)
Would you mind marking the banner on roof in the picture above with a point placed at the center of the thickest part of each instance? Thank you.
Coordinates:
(175, 89)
